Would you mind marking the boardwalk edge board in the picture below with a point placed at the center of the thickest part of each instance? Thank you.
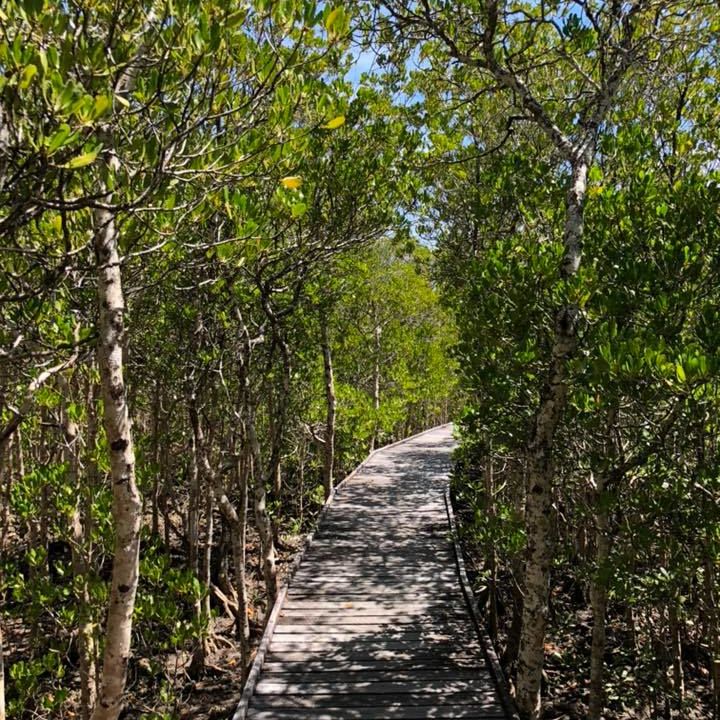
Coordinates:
(491, 656)
(256, 667)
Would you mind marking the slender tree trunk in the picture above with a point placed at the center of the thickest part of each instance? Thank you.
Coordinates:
(277, 479)
(127, 504)
(2, 674)
(676, 652)
(331, 404)
(6, 481)
(242, 619)
(713, 623)
(155, 510)
(206, 569)
(539, 511)
(92, 483)
(5, 450)
(199, 658)
(165, 496)
(262, 517)
(377, 336)
(80, 565)
(193, 521)
(301, 481)
(490, 549)
(598, 604)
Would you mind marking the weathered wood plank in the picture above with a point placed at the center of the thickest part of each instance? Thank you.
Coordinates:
(368, 617)
(325, 607)
(482, 701)
(272, 686)
(409, 664)
(398, 712)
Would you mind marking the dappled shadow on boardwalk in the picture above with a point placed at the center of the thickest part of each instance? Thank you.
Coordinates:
(374, 625)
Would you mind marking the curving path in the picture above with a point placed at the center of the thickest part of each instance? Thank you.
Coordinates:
(375, 624)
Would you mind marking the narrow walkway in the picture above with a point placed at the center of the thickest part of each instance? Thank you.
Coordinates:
(374, 624)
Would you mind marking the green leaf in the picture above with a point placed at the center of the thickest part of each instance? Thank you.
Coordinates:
(82, 160)
(680, 372)
(299, 209)
(28, 74)
(58, 138)
(595, 175)
(101, 105)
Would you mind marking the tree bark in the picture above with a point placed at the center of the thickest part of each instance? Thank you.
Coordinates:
(676, 652)
(80, 564)
(713, 622)
(262, 517)
(242, 619)
(127, 504)
(598, 604)
(193, 521)
(2, 674)
(539, 511)
(199, 658)
(377, 336)
(154, 508)
(489, 480)
(331, 403)
(206, 569)
(6, 481)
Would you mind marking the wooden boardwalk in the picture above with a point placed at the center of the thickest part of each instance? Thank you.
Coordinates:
(375, 623)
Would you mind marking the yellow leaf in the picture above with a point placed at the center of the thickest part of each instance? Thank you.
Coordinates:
(291, 182)
(335, 123)
(333, 17)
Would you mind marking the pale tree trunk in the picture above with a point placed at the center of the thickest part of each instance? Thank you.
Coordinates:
(6, 481)
(512, 649)
(6, 465)
(489, 481)
(301, 481)
(206, 569)
(127, 504)
(331, 403)
(200, 652)
(92, 482)
(277, 479)
(80, 564)
(154, 500)
(276, 472)
(676, 652)
(262, 517)
(711, 602)
(193, 521)
(599, 580)
(2, 674)
(243, 622)
(539, 511)
(377, 335)
(598, 604)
